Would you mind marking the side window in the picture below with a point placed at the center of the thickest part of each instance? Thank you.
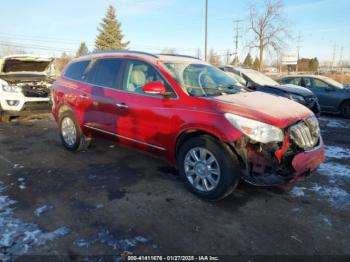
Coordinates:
(76, 70)
(138, 73)
(105, 72)
(306, 82)
(319, 83)
(295, 81)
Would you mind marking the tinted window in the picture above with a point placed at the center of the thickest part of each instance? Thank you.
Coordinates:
(105, 72)
(295, 81)
(138, 74)
(306, 82)
(319, 83)
(76, 70)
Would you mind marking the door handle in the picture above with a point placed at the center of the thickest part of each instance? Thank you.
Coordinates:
(122, 106)
(83, 96)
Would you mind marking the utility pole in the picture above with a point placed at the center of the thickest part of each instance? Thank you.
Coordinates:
(298, 51)
(206, 31)
(333, 59)
(341, 64)
(237, 36)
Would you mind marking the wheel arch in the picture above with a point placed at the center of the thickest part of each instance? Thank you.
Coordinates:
(346, 100)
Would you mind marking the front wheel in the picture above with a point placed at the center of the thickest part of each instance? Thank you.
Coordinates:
(208, 167)
(345, 109)
(71, 135)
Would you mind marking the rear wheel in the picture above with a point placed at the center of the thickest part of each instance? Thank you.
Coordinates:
(345, 109)
(208, 167)
(71, 135)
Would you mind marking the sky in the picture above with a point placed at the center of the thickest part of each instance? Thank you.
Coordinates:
(52, 27)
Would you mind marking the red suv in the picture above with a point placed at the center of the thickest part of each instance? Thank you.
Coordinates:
(190, 113)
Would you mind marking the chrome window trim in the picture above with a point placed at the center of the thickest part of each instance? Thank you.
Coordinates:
(126, 138)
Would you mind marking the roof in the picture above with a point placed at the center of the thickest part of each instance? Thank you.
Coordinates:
(300, 75)
(143, 55)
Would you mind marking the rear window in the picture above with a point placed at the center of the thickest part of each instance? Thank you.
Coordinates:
(76, 70)
(105, 72)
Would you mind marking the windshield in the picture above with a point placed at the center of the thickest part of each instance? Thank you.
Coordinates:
(203, 79)
(259, 78)
(332, 82)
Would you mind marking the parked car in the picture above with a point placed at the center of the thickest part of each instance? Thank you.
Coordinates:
(257, 81)
(332, 96)
(25, 84)
(190, 113)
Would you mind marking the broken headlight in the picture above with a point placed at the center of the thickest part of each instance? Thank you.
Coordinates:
(10, 89)
(256, 130)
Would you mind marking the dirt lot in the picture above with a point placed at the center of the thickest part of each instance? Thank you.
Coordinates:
(110, 199)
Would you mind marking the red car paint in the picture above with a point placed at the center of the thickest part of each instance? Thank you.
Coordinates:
(156, 125)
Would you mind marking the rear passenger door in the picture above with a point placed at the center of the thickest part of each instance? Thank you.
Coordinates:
(104, 80)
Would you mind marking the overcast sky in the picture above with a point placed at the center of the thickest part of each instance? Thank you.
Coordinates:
(51, 27)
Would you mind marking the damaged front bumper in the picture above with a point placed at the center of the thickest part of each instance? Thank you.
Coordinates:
(276, 163)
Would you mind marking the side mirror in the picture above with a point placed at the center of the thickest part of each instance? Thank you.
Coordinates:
(155, 88)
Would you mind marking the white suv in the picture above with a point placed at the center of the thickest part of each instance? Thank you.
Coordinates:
(25, 85)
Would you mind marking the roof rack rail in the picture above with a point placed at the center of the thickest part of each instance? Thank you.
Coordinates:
(119, 51)
(185, 56)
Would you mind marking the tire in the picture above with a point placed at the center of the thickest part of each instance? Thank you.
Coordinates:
(345, 109)
(3, 117)
(79, 142)
(225, 162)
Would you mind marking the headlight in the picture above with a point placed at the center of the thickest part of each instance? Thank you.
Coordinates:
(10, 89)
(297, 98)
(256, 130)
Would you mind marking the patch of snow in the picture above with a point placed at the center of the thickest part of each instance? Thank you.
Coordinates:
(337, 196)
(98, 206)
(337, 152)
(21, 179)
(17, 237)
(334, 123)
(105, 237)
(334, 171)
(22, 186)
(297, 191)
(41, 210)
(326, 220)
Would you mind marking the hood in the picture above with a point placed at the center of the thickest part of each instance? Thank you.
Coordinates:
(25, 64)
(297, 90)
(270, 109)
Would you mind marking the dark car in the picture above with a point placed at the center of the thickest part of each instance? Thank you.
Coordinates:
(332, 96)
(259, 82)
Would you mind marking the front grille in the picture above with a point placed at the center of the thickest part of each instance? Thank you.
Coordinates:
(305, 134)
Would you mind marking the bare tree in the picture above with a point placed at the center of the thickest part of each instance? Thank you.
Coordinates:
(268, 27)
(214, 58)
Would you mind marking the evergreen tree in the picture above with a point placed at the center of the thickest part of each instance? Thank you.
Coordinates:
(235, 61)
(248, 61)
(256, 64)
(110, 36)
(83, 49)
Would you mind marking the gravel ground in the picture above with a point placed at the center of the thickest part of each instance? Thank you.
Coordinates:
(110, 199)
